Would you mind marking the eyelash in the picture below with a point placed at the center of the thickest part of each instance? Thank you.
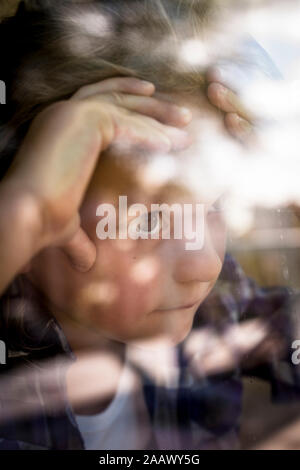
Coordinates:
(215, 208)
(149, 215)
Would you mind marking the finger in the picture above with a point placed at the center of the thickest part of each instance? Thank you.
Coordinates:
(219, 96)
(163, 111)
(80, 251)
(226, 100)
(179, 139)
(117, 84)
(151, 135)
(140, 138)
(238, 127)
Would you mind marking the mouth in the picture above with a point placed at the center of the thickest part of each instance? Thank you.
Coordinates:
(190, 305)
(180, 307)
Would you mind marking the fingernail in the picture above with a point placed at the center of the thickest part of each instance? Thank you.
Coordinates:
(147, 84)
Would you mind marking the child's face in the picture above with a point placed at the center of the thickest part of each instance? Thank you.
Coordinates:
(137, 289)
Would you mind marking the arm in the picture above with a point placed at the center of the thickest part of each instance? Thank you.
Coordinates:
(20, 235)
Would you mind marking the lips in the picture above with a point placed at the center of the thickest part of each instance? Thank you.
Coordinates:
(181, 307)
(189, 305)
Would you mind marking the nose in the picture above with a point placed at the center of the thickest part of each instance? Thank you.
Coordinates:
(202, 265)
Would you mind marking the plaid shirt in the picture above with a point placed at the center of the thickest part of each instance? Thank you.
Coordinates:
(201, 412)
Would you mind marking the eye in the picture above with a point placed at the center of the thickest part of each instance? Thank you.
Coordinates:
(150, 223)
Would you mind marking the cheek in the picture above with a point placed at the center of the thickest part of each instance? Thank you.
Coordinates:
(116, 294)
(127, 311)
(135, 281)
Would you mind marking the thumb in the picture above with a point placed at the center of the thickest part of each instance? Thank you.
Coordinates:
(80, 251)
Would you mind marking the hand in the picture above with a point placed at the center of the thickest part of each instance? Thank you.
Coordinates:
(237, 118)
(60, 151)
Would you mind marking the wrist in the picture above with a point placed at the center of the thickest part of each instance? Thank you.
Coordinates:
(21, 212)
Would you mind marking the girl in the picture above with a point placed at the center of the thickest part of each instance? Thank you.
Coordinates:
(108, 329)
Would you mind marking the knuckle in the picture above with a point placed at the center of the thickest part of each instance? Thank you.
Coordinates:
(119, 99)
(215, 92)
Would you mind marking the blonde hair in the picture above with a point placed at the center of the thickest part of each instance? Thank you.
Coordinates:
(57, 48)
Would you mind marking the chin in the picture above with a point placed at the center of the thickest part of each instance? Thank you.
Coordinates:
(180, 333)
(181, 336)
(171, 338)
